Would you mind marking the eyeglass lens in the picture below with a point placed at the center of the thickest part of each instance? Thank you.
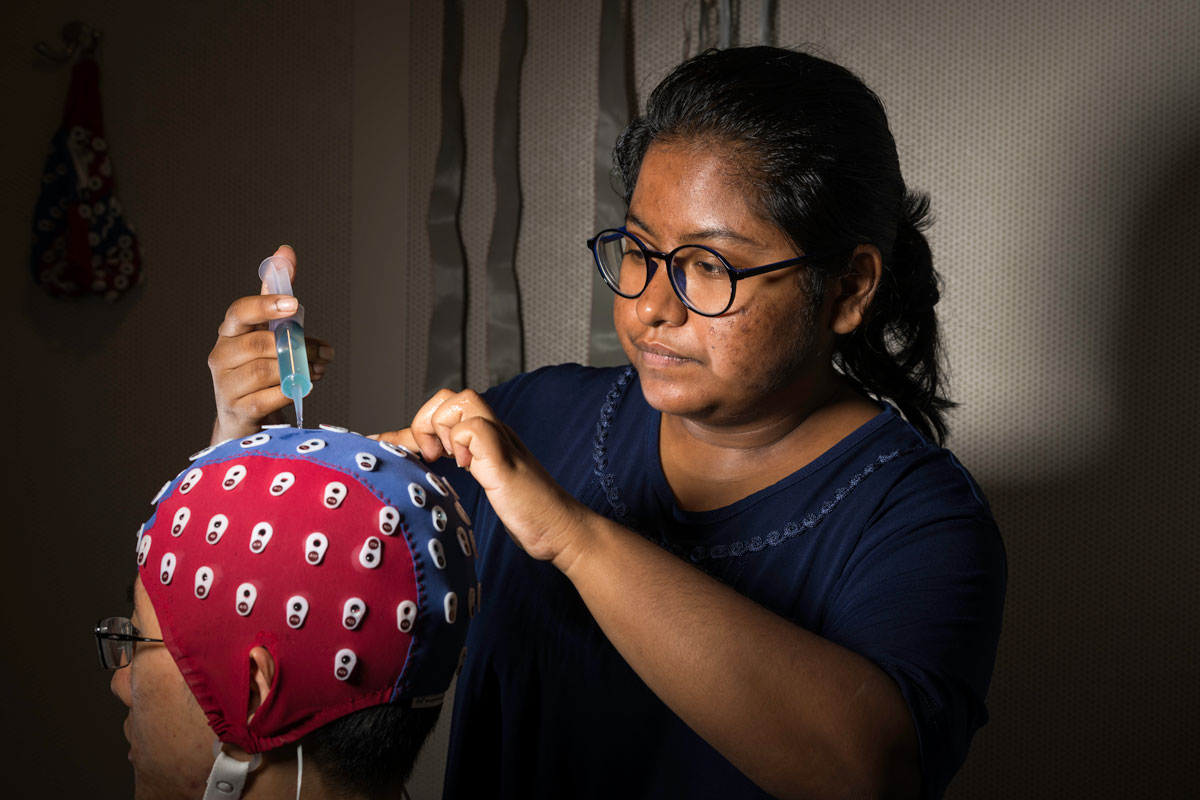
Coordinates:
(115, 653)
(697, 273)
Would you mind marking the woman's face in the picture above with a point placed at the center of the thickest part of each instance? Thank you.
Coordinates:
(761, 356)
(170, 742)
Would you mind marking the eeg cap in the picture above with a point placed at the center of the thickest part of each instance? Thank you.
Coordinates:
(350, 560)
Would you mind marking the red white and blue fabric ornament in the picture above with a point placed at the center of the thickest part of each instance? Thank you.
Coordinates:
(82, 244)
(350, 560)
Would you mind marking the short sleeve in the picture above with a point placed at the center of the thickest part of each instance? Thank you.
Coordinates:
(924, 602)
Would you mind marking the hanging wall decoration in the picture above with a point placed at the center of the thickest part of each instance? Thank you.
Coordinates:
(82, 243)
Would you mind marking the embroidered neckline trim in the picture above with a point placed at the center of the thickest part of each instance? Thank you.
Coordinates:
(612, 491)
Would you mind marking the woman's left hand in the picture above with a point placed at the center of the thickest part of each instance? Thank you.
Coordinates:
(541, 517)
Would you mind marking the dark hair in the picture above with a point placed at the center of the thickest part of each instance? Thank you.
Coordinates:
(372, 750)
(814, 145)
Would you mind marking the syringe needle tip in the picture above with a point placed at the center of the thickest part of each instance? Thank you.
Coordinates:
(298, 400)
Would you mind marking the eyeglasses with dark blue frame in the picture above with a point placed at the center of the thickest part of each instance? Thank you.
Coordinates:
(702, 279)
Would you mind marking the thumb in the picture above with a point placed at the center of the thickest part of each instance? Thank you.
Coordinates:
(285, 252)
(479, 445)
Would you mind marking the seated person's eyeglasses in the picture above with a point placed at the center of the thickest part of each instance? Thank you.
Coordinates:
(701, 277)
(116, 638)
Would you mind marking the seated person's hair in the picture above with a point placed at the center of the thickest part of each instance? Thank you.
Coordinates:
(367, 752)
(349, 561)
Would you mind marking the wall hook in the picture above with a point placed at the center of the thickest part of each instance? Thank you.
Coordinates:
(78, 38)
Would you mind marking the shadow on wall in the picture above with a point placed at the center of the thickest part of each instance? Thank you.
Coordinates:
(1094, 693)
(76, 326)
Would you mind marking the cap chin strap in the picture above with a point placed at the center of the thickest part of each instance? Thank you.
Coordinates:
(228, 776)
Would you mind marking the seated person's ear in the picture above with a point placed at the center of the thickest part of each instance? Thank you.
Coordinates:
(262, 675)
(856, 289)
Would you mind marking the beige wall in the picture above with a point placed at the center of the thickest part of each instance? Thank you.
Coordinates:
(1059, 144)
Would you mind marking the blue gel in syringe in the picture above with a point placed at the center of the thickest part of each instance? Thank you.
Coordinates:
(289, 338)
(293, 361)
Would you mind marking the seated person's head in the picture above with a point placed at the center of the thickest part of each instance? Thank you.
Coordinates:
(307, 587)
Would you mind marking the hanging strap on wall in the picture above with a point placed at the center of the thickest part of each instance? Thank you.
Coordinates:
(767, 10)
(717, 25)
(446, 334)
(604, 348)
(504, 340)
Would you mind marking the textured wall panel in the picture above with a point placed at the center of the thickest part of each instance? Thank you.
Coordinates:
(558, 128)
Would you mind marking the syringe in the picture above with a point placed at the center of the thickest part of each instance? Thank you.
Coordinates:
(289, 337)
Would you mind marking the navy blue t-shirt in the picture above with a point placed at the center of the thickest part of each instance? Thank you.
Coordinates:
(884, 545)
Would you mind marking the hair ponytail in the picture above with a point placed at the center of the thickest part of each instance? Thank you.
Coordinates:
(896, 352)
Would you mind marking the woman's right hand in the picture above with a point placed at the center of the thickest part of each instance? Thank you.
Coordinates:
(245, 370)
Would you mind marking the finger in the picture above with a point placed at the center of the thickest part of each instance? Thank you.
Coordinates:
(480, 441)
(257, 375)
(320, 353)
(261, 404)
(247, 313)
(423, 430)
(462, 453)
(285, 252)
(402, 437)
(465, 405)
(232, 352)
(527, 501)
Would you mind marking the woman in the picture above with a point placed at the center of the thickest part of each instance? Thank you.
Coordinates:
(730, 569)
